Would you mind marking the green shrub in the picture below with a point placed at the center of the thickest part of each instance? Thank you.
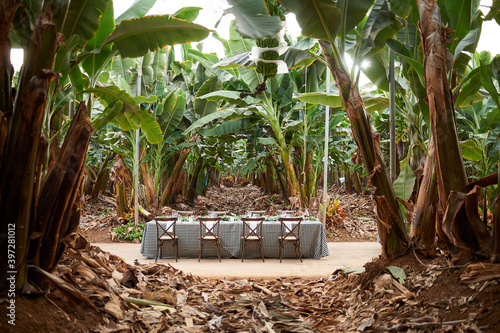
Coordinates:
(128, 231)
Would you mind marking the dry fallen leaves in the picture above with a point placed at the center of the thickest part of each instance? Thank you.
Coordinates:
(157, 297)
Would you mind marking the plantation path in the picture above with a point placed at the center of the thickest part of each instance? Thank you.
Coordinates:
(342, 254)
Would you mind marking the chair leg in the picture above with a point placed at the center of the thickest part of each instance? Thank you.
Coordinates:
(261, 251)
(243, 252)
(218, 249)
(282, 249)
(176, 250)
(300, 253)
(156, 255)
(201, 251)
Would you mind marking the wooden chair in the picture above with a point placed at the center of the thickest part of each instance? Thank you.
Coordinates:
(285, 212)
(209, 232)
(290, 234)
(252, 233)
(256, 213)
(218, 213)
(185, 212)
(166, 234)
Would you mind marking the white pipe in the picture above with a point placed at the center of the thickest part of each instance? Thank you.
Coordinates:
(327, 130)
(392, 117)
(136, 160)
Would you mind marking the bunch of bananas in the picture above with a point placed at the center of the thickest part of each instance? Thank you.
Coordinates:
(274, 9)
(270, 55)
(267, 69)
(267, 42)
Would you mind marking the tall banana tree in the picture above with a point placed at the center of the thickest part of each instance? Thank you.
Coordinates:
(40, 200)
(326, 20)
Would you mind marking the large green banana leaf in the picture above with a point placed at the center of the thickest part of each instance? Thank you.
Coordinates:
(372, 103)
(221, 114)
(380, 26)
(354, 13)
(172, 111)
(227, 77)
(253, 20)
(130, 116)
(403, 186)
(138, 9)
(232, 97)
(120, 67)
(82, 19)
(202, 106)
(318, 18)
(94, 63)
(62, 64)
(136, 37)
(227, 127)
(188, 13)
(460, 17)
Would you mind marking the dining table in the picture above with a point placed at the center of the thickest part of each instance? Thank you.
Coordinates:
(313, 242)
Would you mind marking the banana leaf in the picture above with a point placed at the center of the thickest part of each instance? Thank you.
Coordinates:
(94, 63)
(203, 106)
(318, 18)
(82, 19)
(253, 20)
(136, 37)
(138, 9)
(130, 116)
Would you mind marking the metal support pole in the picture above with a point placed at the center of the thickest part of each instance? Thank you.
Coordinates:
(136, 161)
(392, 115)
(325, 166)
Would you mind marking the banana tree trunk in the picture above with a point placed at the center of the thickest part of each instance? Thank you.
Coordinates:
(102, 178)
(423, 226)
(147, 179)
(191, 192)
(179, 184)
(389, 218)
(293, 188)
(165, 197)
(467, 233)
(122, 178)
(310, 179)
(55, 210)
(269, 176)
(280, 176)
(7, 11)
(495, 257)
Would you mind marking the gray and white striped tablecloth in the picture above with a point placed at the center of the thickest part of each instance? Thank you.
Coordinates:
(312, 241)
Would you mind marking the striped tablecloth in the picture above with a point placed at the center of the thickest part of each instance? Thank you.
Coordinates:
(313, 241)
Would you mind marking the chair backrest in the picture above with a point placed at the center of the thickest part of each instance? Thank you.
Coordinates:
(185, 212)
(285, 212)
(288, 228)
(256, 213)
(209, 226)
(217, 213)
(253, 225)
(165, 226)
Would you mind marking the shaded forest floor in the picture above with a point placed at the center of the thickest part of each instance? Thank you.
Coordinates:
(355, 220)
(108, 295)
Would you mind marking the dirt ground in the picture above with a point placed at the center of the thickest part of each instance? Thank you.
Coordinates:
(431, 295)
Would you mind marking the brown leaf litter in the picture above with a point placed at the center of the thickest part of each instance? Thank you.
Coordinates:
(160, 298)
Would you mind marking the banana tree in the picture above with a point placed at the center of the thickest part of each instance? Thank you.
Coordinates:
(30, 187)
(325, 20)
